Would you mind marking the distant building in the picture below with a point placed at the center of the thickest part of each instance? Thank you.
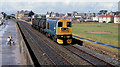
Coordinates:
(22, 14)
(119, 6)
(95, 18)
(117, 19)
(52, 14)
(106, 18)
(61, 15)
(114, 13)
(68, 14)
(102, 12)
(90, 16)
(35, 16)
(77, 16)
(74, 13)
(83, 15)
(19, 14)
(1, 16)
(48, 15)
(13, 15)
(26, 13)
(55, 15)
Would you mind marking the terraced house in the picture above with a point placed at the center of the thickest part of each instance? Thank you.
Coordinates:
(1, 16)
(117, 19)
(107, 18)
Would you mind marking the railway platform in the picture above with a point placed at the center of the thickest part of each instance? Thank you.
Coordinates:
(9, 55)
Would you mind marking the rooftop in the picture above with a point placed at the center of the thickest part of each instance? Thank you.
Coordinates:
(117, 16)
(106, 15)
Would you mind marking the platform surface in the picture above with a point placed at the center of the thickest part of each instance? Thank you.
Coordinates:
(9, 55)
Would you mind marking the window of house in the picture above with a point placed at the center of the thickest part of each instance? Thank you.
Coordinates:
(68, 24)
(60, 24)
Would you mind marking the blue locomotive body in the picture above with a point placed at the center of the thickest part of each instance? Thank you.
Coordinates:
(51, 26)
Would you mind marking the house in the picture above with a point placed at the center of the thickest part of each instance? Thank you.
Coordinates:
(1, 16)
(26, 13)
(35, 16)
(55, 15)
(78, 16)
(102, 12)
(1, 19)
(114, 13)
(117, 19)
(83, 15)
(74, 13)
(88, 16)
(48, 15)
(76, 19)
(61, 15)
(68, 15)
(95, 18)
(21, 14)
(107, 18)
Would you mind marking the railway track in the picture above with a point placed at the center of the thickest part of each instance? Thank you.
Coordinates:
(95, 61)
(36, 50)
(59, 49)
(51, 53)
(82, 54)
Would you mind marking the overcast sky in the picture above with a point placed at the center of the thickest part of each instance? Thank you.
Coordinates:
(60, 6)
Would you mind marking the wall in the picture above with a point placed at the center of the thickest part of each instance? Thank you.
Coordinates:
(23, 48)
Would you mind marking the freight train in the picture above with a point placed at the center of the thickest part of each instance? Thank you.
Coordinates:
(60, 30)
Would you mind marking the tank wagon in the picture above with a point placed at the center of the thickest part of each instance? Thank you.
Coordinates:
(60, 30)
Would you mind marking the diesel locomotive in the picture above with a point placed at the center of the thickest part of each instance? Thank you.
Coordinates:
(60, 30)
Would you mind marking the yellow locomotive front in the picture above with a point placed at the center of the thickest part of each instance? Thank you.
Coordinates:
(64, 31)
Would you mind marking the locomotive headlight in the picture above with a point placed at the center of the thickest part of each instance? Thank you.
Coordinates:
(62, 36)
(68, 36)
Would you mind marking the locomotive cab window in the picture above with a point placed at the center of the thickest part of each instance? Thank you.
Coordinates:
(60, 24)
(68, 24)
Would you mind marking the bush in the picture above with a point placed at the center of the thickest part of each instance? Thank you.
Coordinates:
(110, 22)
(104, 21)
